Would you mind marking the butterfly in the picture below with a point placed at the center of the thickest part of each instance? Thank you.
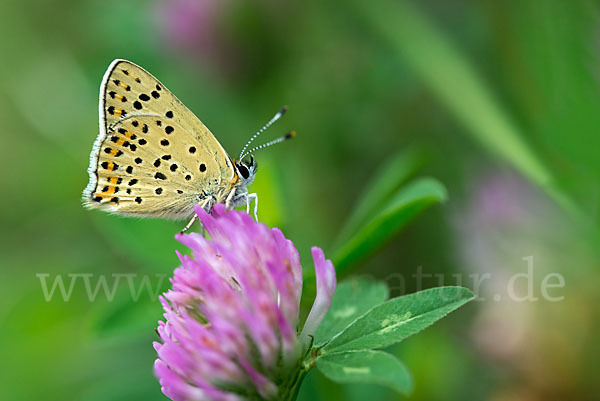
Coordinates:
(154, 158)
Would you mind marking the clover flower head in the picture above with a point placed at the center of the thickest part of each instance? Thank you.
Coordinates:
(231, 317)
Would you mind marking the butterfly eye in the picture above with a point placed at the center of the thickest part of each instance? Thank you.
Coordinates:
(243, 171)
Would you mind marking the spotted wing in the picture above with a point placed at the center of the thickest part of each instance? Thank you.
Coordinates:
(153, 157)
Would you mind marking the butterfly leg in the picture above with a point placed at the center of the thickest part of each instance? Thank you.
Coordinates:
(249, 198)
(189, 224)
(229, 200)
(206, 205)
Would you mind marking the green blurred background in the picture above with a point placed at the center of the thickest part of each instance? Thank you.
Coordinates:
(498, 100)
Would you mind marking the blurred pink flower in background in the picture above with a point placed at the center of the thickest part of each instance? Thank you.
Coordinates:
(231, 39)
(230, 330)
(192, 26)
(504, 220)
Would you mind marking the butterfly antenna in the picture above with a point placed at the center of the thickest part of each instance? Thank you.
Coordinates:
(276, 117)
(287, 136)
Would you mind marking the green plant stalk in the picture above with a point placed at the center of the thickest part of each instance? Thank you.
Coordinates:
(292, 387)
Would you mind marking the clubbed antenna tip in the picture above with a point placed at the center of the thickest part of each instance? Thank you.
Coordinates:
(276, 117)
(287, 136)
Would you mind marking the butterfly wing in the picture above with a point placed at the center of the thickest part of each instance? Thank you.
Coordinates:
(153, 156)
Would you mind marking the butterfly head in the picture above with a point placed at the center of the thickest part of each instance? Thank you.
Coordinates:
(246, 170)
